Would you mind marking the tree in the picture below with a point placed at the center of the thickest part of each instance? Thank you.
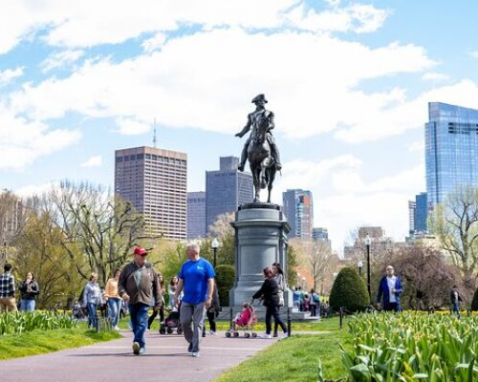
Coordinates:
(426, 276)
(225, 281)
(349, 291)
(10, 221)
(456, 224)
(103, 227)
(40, 251)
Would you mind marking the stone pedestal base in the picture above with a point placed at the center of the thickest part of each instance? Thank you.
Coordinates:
(261, 240)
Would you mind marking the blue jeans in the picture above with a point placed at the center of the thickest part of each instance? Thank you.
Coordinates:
(27, 305)
(114, 305)
(456, 307)
(92, 317)
(139, 321)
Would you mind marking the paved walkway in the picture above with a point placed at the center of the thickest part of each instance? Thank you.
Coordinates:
(167, 359)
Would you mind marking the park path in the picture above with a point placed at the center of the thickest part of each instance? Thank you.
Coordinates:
(167, 359)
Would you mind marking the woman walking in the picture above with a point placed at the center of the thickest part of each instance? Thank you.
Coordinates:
(173, 284)
(270, 293)
(113, 299)
(92, 300)
(28, 290)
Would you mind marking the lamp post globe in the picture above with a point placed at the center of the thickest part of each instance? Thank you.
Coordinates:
(215, 246)
(368, 242)
(360, 266)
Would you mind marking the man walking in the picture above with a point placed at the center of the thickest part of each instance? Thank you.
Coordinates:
(390, 288)
(136, 283)
(197, 279)
(7, 290)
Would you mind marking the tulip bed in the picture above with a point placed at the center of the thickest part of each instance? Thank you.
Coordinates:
(412, 347)
(17, 323)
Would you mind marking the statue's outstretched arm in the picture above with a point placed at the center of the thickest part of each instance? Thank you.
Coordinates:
(246, 128)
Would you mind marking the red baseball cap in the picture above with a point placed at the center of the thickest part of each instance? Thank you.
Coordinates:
(139, 251)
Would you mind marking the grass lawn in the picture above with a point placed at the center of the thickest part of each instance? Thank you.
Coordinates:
(39, 342)
(296, 358)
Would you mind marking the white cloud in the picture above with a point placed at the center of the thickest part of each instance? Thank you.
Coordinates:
(154, 43)
(417, 146)
(187, 84)
(129, 126)
(435, 77)
(37, 189)
(9, 74)
(474, 54)
(343, 199)
(94, 161)
(22, 141)
(61, 59)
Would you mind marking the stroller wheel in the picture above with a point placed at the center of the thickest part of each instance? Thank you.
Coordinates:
(254, 335)
(236, 334)
(170, 331)
(247, 335)
(228, 334)
(162, 331)
(179, 331)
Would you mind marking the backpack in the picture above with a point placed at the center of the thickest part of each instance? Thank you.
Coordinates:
(315, 297)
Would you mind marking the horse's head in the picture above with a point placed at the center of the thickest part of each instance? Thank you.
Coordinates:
(261, 132)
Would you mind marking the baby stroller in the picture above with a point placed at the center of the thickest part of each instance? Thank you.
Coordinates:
(78, 313)
(171, 323)
(244, 321)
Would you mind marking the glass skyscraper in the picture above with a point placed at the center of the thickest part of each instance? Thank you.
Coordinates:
(451, 147)
(299, 210)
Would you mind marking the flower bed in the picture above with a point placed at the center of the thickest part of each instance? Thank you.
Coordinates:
(16, 323)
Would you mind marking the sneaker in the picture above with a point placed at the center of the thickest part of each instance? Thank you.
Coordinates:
(190, 348)
(136, 348)
(213, 333)
(284, 335)
(266, 336)
(142, 351)
(196, 354)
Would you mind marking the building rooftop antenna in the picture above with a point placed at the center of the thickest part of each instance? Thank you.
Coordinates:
(154, 133)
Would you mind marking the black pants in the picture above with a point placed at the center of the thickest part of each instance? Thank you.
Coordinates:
(153, 316)
(313, 310)
(273, 311)
(391, 307)
(211, 317)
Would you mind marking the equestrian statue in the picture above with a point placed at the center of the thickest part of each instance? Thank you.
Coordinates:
(260, 148)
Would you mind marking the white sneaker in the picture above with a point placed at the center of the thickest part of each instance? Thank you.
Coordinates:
(213, 333)
(266, 336)
(196, 354)
(284, 335)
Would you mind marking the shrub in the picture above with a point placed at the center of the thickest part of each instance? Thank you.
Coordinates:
(225, 281)
(349, 291)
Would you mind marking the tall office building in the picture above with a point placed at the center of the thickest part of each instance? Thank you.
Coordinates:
(154, 181)
(451, 145)
(320, 234)
(421, 212)
(412, 206)
(299, 210)
(226, 189)
(196, 214)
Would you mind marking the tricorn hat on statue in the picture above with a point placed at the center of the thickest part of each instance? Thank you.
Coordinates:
(259, 98)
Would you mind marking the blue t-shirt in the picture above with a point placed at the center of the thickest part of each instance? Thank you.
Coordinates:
(195, 276)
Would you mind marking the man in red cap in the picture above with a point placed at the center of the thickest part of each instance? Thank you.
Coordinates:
(137, 280)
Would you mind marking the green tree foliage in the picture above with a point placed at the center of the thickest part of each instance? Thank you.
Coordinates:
(349, 291)
(172, 261)
(291, 266)
(225, 281)
(40, 251)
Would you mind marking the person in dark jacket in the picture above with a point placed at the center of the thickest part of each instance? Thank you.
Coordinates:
(390, 288)
(28, 290)
(212, 312)
(455, 300)
(270, 293)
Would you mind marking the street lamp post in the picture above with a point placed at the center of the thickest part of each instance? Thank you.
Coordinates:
(215, 246)
(360, 266)
(368, 241)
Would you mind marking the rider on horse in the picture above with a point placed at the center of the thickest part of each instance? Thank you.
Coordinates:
(254, 121)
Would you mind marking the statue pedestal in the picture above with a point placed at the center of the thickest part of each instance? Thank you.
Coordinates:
(261, 240)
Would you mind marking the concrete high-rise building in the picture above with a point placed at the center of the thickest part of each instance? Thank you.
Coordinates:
(196, 215)
(226, 189)
(451, 146)
(412, 206)
(299, 210)
(155, 182)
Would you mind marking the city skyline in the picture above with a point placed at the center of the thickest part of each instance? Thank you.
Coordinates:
(348, 83)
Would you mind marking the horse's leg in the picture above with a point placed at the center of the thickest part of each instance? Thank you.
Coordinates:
(272, 175)
(257, 186)
(263, 177)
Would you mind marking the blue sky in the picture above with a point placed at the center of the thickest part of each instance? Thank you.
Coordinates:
(348, 81)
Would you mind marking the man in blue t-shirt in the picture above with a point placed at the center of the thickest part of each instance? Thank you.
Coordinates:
(196, 280)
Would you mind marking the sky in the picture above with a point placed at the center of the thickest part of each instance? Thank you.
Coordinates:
(349, 83)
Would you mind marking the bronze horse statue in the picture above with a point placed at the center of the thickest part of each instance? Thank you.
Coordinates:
(262, 164)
